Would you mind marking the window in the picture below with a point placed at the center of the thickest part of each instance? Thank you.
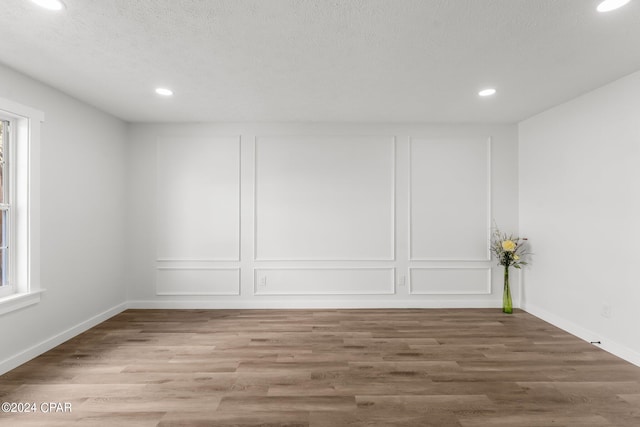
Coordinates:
(19, 206)
(6, 180)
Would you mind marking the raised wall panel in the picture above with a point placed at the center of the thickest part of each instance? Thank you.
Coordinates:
(451, 281)
(324, 281)
(197, 281)
(450, 199)
(324, 198)
(198, 199)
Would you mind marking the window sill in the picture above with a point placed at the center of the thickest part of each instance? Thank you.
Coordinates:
(17, 301)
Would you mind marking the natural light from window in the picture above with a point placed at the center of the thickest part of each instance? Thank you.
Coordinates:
(19, 206)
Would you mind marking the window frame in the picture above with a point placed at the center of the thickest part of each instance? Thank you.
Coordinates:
(8, 187)
(24, 176)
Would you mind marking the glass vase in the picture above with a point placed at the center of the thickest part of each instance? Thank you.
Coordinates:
(507, 306)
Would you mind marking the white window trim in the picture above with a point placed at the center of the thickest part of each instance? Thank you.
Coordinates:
(17, 301)
(27, 123)
(8, 182)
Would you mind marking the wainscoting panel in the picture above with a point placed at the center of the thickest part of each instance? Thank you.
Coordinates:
(324, 281)
(198, 199)
(197, 281)
(324, 198)
(450, 199)
(450, 280)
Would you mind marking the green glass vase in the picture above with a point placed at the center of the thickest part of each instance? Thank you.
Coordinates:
(507, 306)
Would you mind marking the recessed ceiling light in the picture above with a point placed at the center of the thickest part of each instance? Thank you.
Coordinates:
(487, 92)
(164, 91)
(50, 4)
(609, 5)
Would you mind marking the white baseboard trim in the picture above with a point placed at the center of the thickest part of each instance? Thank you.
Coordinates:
(46, 345)
(308, 304)
(607, 345)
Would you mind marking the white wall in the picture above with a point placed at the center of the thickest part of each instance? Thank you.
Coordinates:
(580, 206)
(317, 215)
(82, 221)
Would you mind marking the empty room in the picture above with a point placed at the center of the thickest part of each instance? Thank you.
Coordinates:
(320, 213)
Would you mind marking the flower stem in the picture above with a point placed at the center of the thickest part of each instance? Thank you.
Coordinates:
(507, 306)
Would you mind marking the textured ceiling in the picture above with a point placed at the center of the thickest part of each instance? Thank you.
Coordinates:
(322, 60)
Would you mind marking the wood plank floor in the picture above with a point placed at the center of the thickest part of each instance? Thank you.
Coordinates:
(320, 368)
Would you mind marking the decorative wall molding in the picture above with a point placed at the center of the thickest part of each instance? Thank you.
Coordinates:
(227, 284)
(164, 179)
(483, 271)
(392, 202)
(380, 162)
(263, 280)
(170, 260)
(487, 196)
